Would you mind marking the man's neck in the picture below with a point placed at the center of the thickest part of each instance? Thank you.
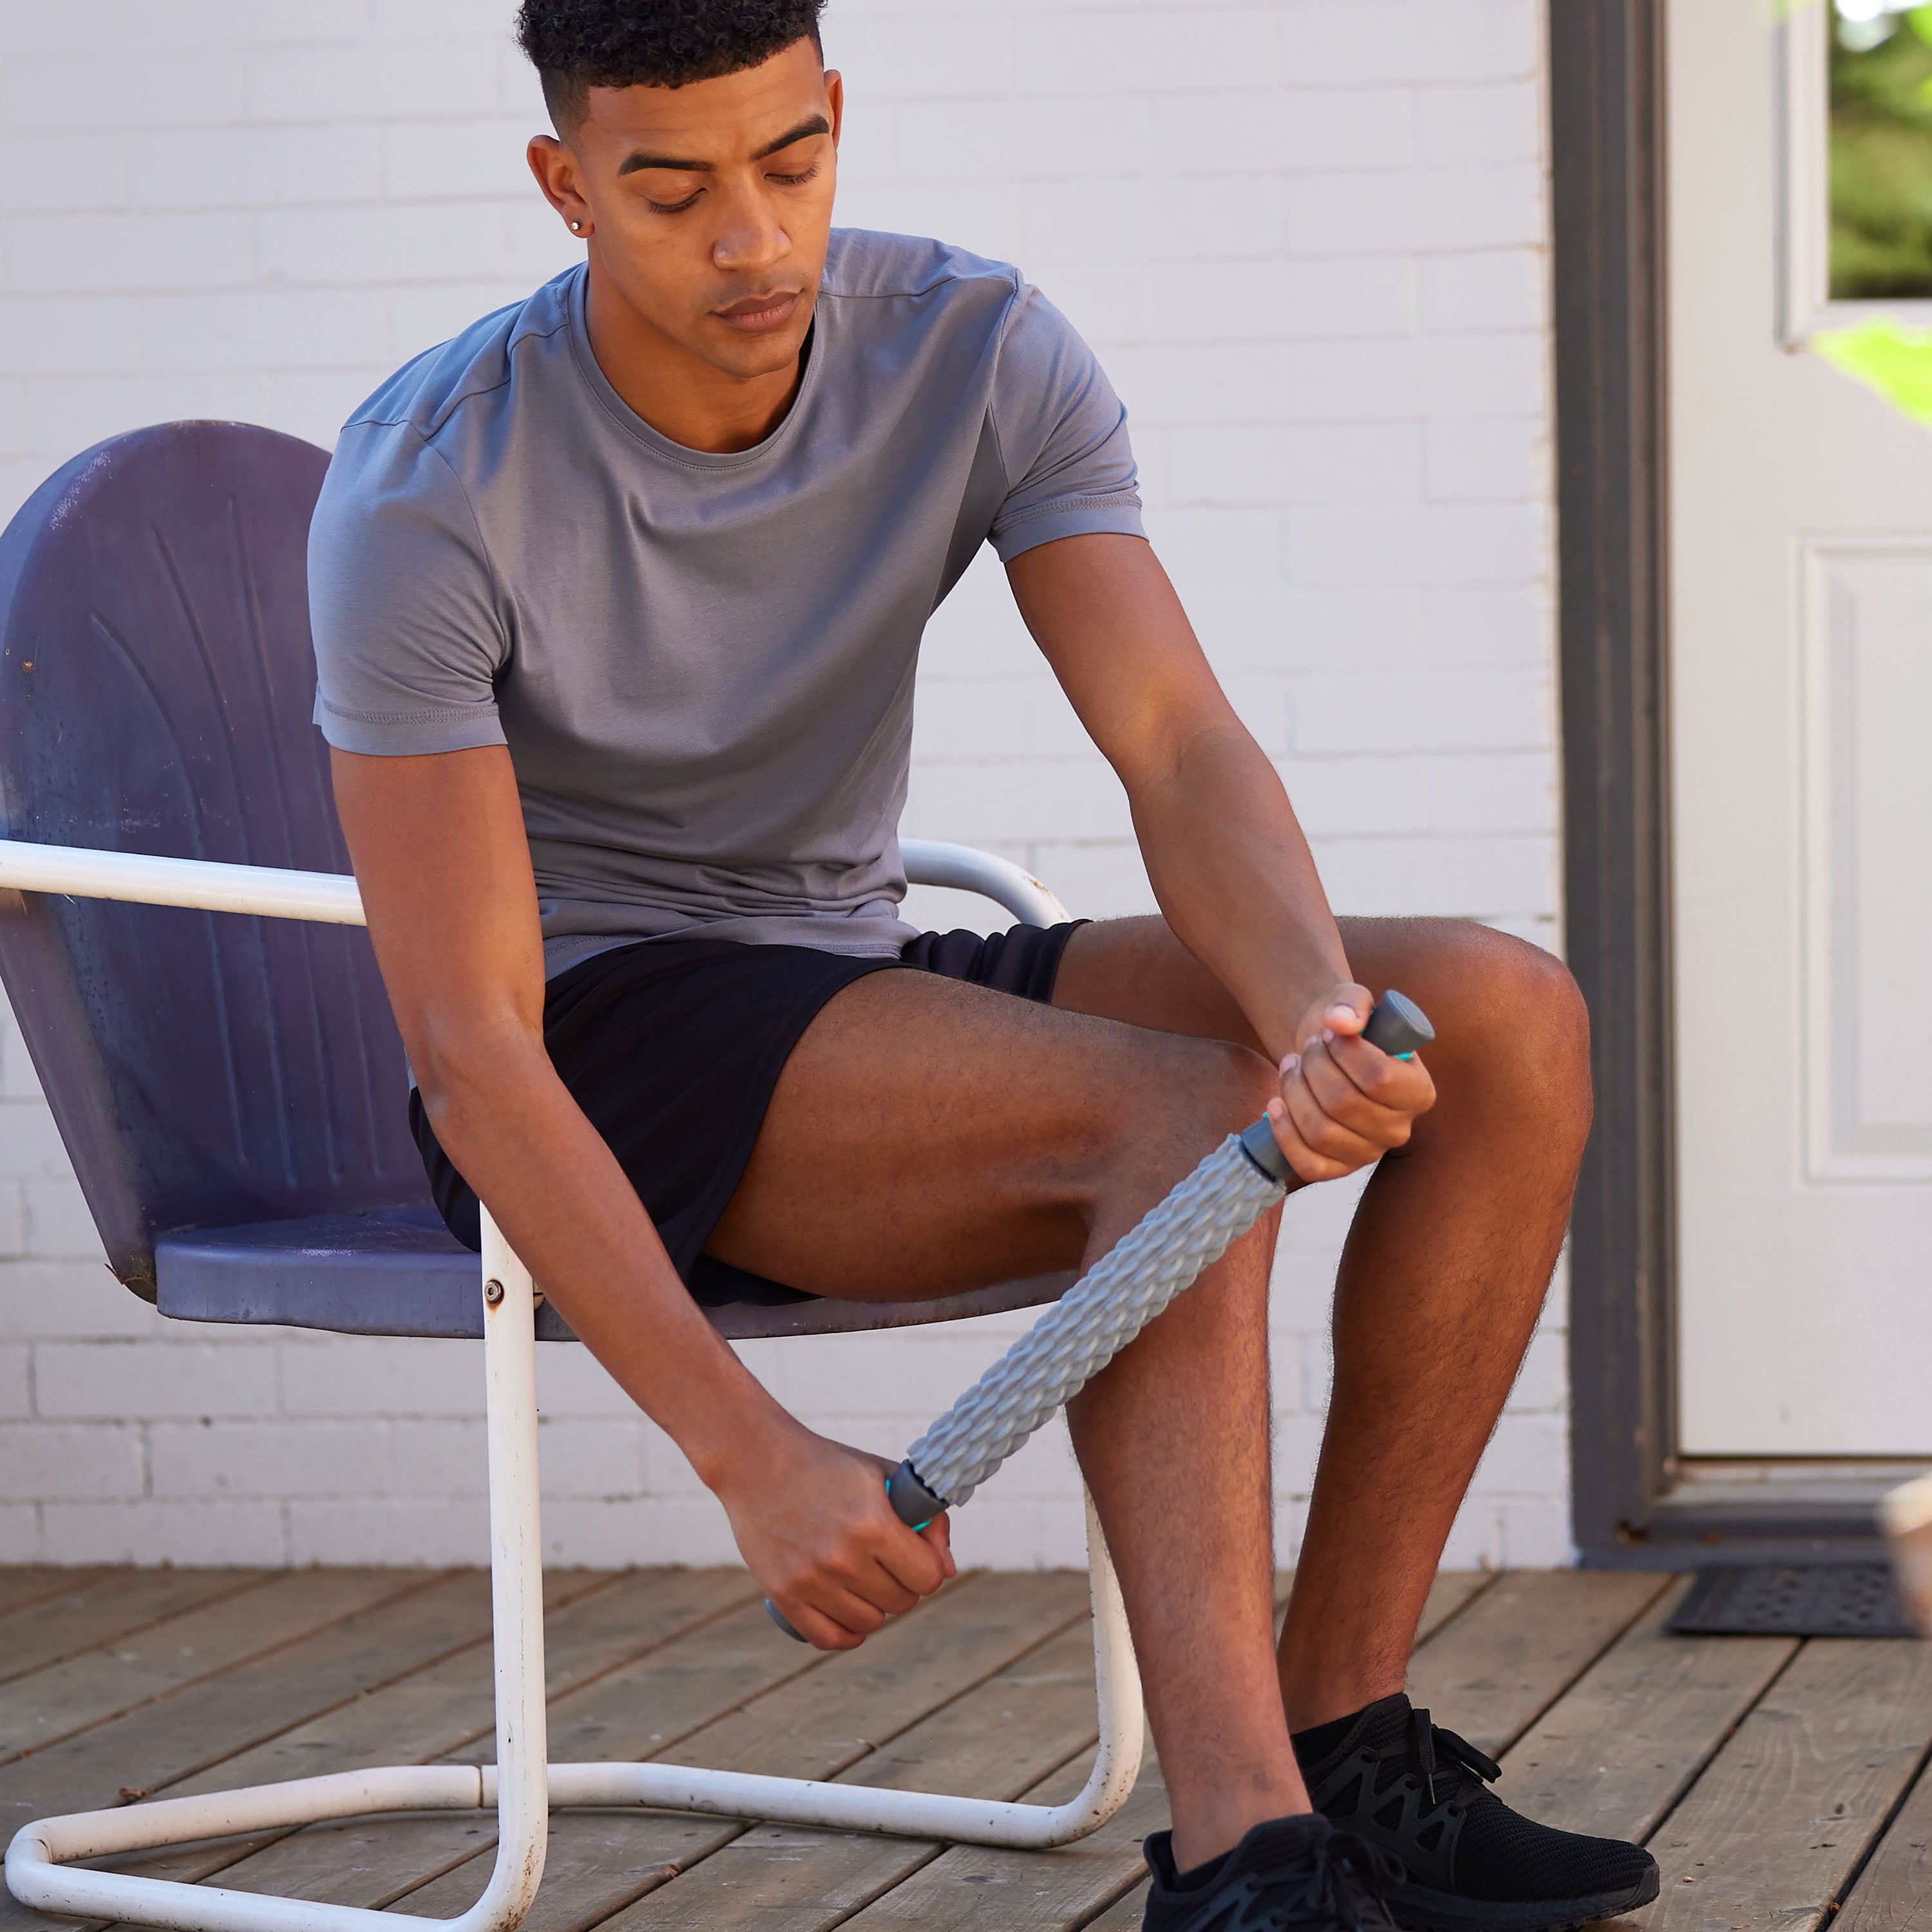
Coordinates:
(681, 396)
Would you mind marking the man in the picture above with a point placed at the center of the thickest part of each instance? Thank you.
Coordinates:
(617, 598)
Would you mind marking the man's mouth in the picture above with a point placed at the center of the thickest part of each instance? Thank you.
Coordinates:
(754, 315)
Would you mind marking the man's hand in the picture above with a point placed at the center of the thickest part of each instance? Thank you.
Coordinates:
(1344, 1103)
(813, 1523)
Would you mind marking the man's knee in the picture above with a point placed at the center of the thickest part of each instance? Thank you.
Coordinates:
(1517, 1024)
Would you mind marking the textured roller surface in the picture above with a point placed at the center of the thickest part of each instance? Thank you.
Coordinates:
(1093, 1321)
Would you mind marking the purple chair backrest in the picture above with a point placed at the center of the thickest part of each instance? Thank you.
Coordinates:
(156, 680)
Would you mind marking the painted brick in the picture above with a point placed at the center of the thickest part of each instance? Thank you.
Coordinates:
(121, 1379)
(94, 171)
(334, 85)
(1237, 300)
(204, 1460)
(83, 254)
(59, 1300)
(1296, 129)
(322, 246)
(57, 1225)
(15, 1384)
(945, 59)
(236, 167)
(401, 1531)
(1342, 452)
(1446, 543)
(1282, 462)
(160, 88)
(1500, 458)
(354, 1376)
(1463, 124)
(1500, 288)
(1425, 40)
(264, 329)
(40, 1462)
(154, 1530)
(20, 1538)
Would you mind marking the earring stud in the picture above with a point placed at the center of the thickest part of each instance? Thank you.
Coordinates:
(577, 228)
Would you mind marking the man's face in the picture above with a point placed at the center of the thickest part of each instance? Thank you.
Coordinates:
(709, 205)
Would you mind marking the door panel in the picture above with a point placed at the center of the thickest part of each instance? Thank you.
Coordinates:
(1802, 777)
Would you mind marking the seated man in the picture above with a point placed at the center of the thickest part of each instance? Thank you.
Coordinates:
(617, 598)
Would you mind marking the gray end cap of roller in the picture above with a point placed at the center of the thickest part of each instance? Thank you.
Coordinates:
(1398, 1024)
(913, 1503)
(784, 1622)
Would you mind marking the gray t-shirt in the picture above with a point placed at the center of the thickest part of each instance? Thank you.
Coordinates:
(702, 664)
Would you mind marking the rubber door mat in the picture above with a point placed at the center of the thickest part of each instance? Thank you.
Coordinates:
(1823, 1600)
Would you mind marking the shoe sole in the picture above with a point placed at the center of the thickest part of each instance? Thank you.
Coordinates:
(1417, 1909)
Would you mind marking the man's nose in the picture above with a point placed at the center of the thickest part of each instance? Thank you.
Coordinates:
(752, 237)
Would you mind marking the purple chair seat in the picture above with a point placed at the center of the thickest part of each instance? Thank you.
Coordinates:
(398, 1271)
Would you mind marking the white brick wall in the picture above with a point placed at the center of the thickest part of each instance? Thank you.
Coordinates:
(1309, 241)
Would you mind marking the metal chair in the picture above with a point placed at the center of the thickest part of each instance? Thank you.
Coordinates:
(230, 1086)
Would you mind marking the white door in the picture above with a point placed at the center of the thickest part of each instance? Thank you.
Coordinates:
(1801, 533)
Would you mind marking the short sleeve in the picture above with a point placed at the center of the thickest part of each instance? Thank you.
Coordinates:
(408, 636)
(1062, 436)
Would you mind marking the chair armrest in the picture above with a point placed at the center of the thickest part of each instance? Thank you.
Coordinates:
(931, 861)
(330, 898)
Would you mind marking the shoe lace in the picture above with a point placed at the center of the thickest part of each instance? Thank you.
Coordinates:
(1428, 1739)
(1323, 1890)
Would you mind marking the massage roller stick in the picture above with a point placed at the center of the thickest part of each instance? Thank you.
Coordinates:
(1161, 1256)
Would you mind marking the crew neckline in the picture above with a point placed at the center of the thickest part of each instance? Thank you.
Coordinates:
(627, 419)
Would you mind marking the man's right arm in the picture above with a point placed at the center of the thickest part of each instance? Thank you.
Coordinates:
(440, 854)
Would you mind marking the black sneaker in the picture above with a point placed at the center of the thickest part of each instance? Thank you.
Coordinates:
(1390, 1776)
(1289, 1875)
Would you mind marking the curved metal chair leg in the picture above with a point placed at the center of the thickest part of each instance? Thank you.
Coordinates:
(520, 1787)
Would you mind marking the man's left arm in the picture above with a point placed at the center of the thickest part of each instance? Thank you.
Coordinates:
(1227, 861)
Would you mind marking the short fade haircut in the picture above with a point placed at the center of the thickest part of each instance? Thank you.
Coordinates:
(576, 45)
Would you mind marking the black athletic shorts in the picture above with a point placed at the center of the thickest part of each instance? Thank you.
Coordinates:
(672, 1048)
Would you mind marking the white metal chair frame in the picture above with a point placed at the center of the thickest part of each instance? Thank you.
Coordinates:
(522, 1786)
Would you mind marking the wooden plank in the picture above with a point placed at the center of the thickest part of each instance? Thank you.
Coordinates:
(1614, 1753)
(442, 1710)
(968, 1886)
(110, 1606)
(24, 1585)
(1774, 1828)
(1453, 1591)
(998, 1740)
(1493, 1669)
(334, 1633)
(812, 1725)
(69, 1697)
(786, 1879)
(1893, 1893)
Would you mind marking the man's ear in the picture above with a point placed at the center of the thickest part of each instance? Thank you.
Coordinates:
(835, 100)
(556, 172)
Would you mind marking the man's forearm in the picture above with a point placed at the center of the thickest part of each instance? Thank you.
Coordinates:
(1234, 875)
(556, 1191)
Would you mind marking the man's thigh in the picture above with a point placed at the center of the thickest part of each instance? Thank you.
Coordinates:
(928, 1136)
(1486, 993)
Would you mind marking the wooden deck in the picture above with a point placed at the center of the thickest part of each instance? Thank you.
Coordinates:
(1779, 1782)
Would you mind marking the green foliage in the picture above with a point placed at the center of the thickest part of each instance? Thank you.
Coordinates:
(1881, 164)
(1886, 356)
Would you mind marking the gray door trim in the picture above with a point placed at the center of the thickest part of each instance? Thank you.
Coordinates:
(1608, 161)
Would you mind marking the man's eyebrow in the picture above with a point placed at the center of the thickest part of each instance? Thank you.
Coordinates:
(816, 124)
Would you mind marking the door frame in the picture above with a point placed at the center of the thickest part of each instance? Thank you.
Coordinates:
(1636, 1502)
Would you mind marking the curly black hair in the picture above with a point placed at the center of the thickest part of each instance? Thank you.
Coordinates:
(576, 45)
